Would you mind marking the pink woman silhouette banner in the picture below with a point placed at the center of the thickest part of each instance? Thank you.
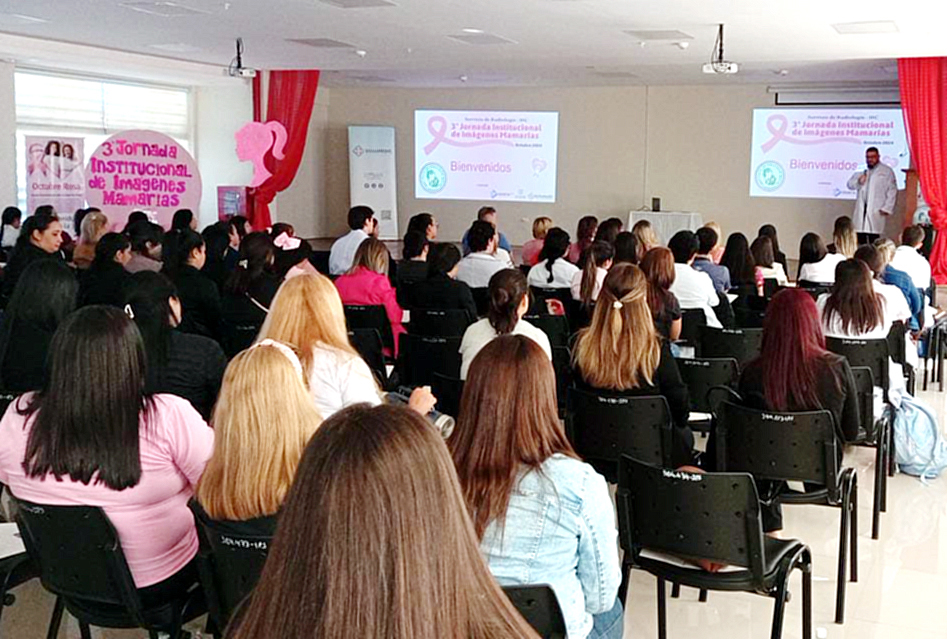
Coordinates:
(142, 170)
(254, 141)
(54, 174)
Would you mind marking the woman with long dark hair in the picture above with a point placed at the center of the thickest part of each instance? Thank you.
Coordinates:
(658, 269)
(183, 219)
(44, 296)
(361, 550)
(553, 270)
(816, 264)
(182, 364)
(745, 277)
(40, 239)
(94, 436)
(762, 250)
(103, 282)
(626, 248)
(542, 515)
(584, 236)
(587, 283)
(10, 229)
(184, 255)
(248, 293)
(768, 230)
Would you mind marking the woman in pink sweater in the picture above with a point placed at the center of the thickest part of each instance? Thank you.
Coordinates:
(92, 437)
(367, 283)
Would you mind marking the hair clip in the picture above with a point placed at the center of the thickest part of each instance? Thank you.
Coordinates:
(286, 243)
(243, 263)
(129, 311)
(617, 305)
(286, 351)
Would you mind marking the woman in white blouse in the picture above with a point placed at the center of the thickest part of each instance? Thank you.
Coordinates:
(816, 264)
(553, 270)
(762, 250)
(587, 283)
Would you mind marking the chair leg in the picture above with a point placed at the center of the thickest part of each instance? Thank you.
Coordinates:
(55, 620)
(84, 631)
(623, 587)
(842, 557)
(675, 591)
(854, 529)
(892, 465)
(702, 598)
(880, 476)
(807, 595)
(662, 611)
(779, 607)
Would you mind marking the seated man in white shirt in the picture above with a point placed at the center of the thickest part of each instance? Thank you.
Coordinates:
(362, 222)
(692, 288)
(476, 269)
(908, 258)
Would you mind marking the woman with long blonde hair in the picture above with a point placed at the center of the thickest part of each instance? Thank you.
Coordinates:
(375, 541)
(621, 353)
(307, 314)
(647, 238)
(260, 436)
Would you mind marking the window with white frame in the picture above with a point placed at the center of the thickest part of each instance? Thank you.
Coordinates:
(92, 109)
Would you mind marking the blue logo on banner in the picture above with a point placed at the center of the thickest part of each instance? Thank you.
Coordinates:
(770, 175)
(433, 178)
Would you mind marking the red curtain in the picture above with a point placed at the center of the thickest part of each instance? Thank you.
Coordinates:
(291, 98)
(924, 101)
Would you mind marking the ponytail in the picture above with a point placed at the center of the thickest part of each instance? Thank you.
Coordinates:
(507, 289)
(279, 143)
(596, 256)
(554, 247)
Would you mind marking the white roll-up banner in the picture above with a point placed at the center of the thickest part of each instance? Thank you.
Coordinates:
(372, 175)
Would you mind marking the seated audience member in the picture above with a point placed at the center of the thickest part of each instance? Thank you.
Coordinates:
(626, 248)
(795, 372)
(553, 270)
(815, 263)
(10, 229)
(608, 230)
(762, 250)
(425, 224)
(647, 238)
(717, 253)
(622, 354)
(367, 283)
(703, 261)
(279, 228)
(374, 540)
(292, 257)
(218, 264)
(902, 281)
(441, 290)
(534, 247)
(103, 282)
(134, 218)
(479, 266)
(541, 513)
(40, 238)
(248, 293)
(584, 236)
(259, 438)
(184, 255)
(307, 313)
(487, 214)
(895, 305)
(587, 283)
(232, 252)
(242, 225)
(184, 219)
(94, 225)
(768, 230)
(44, 296)
(145, 238)
(746, 278)
(84, 439)
(658, 269)
(908, 257)
(413, 267)
(182, 364)
(844, 238)
(692, 288)
(509, 301)
(361, 221)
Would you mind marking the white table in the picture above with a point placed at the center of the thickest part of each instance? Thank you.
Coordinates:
(667, 223)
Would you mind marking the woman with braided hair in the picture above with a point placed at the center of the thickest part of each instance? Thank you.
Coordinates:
(621, 353)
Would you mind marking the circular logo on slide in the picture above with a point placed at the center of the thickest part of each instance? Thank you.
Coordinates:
(433, 178)
(770, 175)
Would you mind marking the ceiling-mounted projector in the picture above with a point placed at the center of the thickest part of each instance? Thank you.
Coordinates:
(719, 64)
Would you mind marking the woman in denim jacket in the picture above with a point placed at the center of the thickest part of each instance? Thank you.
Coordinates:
(543, 516)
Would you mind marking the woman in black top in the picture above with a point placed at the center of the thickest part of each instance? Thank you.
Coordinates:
(184, 255)
(440, 291)
(768, 230)
(189, 366)
(43, 297)
(739, 260)
(220, 259)
(248, 293)
(658, 268)
(104, 281)
(40, 239)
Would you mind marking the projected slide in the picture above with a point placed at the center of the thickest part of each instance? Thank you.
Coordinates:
(486, 155)
(811, 153)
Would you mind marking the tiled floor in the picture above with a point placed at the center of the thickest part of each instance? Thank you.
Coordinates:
(901, 592)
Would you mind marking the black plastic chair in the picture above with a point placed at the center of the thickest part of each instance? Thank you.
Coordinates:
(481, 298)
(556, 328)
(897, 349)
(439, 322)
(81, 561)
(229, 562)
(795, 447)
(713, 516)
(423, 355)
(703, 374)
(604, 427)
(875, 433)
(749, 311)
(770, 287)
(540, 609)
(562, 366)
(692, 319)
(15, 569)
(370, 317)
(320, 260)
(448, 391)
(742, 344)
(368, 344)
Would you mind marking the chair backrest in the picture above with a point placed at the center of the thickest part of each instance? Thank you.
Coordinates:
(713, 516)
(749, 311)
(770, 287)
(448, 391)
(604, 427)
(691, 321)
(359, 316)
(320, 260)
(742, 344)
(779, 446)
(808, 284)
(870, 353)
(556, 328)
(439, 322)
(540, 609)
(865, 389)
(78, 554)
(897, 341)
(230, 562)
(702, 374)
(424, 355)
(562, 366)
(481, 297)
(367, 342)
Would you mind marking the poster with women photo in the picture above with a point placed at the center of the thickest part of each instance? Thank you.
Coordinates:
(55, 175)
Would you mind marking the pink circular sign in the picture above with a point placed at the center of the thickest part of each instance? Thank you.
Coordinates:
(142, 171)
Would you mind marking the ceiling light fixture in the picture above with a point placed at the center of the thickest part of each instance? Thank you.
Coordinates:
(682, 45)
(468, 30)
(718, 64)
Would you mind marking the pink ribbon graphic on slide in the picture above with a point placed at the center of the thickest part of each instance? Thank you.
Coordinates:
(437, 127)
(778, 125)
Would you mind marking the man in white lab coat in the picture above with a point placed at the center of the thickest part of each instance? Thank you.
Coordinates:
(877, 191)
